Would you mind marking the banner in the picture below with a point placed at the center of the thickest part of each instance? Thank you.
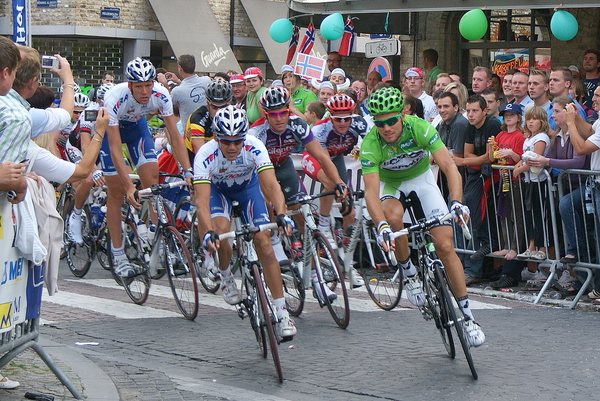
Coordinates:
(20, 12)
(309, 66)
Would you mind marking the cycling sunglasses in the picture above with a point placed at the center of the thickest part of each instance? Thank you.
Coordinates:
(275, 114)
(230, 141)
(339, 119)
(389, 121)
(218, 106)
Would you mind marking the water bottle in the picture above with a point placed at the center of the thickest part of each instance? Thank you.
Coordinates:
(96, 221)
(102, 213)
(143, 232)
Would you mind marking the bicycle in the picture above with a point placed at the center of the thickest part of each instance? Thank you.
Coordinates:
(383, 279)
(316, 254)
(145, 255)
(255, 304)
(441, 304)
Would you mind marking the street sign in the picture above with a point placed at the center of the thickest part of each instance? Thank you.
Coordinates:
(380, 48)
(113, 13)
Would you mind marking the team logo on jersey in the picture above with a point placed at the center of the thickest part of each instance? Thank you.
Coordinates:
(367, 163)
(297, 101)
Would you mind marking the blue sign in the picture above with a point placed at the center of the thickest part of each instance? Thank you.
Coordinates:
(381, 35)
(20, 21)
(47, 3)
(110, 13)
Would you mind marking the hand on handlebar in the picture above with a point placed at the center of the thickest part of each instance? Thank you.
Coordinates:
(210, 241)
(460, 210)
(285, 224)
(383, 236)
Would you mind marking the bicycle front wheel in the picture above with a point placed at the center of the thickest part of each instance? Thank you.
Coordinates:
(382, 278)
(80, 257)
(102, 246)
(182, 276)
(455, 314)
(210, 280)
(437, 309)
(267, 319)
(329, 274)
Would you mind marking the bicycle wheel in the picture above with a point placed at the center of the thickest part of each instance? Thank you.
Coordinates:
(209, 280)
(436, 308)
(383, 280)
(182, 276)
(102, 245)
(267, 319)
(251, 305)
(64, 207)
(330, 275)
(293, 288)
(455, 314)
(80, 257)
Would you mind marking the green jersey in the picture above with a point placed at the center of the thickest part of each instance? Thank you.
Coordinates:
(404, 160)
(302, 97)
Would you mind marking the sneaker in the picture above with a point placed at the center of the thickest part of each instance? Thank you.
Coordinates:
(470, 280)
(231, 295)
(414, 291)
(566, 279)
(474, 333)
(212, 272)
(525, 255)
(481, 252)
(329, 237)
(287, 328)
(75, 228)
(331, 296)
(356, 279)
(526, 275)
(594, 295)
(505, 281)
(7, 384)
(123, 268)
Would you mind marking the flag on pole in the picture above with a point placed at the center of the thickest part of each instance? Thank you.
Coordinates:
(347, 42)
(308, 40)
(309, 66)
(293, 45)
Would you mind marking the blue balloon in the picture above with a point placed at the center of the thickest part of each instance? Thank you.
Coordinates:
(281, 30)
(332, 27)
(563, 25)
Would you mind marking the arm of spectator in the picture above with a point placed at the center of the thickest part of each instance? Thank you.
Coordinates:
(160, 77)
(577, 161)
(295, 111)
(519, 168)
(11, 176)
(66, 76)
(580, 144)
(470, 158)
(88, 163)
(171, 76)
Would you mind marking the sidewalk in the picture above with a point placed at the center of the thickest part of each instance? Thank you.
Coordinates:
(33, 374)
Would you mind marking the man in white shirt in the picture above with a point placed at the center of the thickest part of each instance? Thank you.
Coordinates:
(191, 92)
(414, 81)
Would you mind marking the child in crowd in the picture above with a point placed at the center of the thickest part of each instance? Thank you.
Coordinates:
(535, 189)
(315, 111)
(506, 149)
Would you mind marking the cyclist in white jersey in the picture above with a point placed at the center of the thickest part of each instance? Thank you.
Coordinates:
(127, 104)
(237, 167)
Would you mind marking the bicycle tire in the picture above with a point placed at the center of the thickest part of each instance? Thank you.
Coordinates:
(383, 280)
(452, 306)
(437, 308)
(80, 257)
(209, 281)
(267, 319)
(65, 202)
(181, 272)
(102, 245)
(250, 303)
(330, 275)
(293, 287)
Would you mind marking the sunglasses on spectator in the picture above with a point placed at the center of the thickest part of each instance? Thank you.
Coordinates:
(389, 121)
(229, 141)
(217, 106)
(276, 114)
(339, 119)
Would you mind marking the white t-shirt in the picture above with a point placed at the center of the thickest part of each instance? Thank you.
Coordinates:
(122, 106)
(528, 145)
(49, 166)
(429, 108)
(595, 139)
(190, 95)
(48, 120)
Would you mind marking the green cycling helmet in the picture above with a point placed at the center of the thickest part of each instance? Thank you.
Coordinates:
(385, 100)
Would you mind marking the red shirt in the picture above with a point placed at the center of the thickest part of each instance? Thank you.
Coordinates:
(509, 140)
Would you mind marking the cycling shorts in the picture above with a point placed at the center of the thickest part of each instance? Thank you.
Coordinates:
(425, 187)
(252, 204)
(139, 141)
(311, 166)
(288, 179)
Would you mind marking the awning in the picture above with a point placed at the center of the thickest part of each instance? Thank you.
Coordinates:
(262, 14)
(191, 28)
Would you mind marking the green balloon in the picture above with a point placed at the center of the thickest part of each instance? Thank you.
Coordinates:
(281, 30)
(332, 27)
(473, 25)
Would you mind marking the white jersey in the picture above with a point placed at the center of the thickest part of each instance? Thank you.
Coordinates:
(211, 166)
(122, 106)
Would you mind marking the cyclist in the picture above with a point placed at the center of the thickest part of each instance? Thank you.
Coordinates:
(236, 166)
(395, 162)
(127, 104)
(81, 102)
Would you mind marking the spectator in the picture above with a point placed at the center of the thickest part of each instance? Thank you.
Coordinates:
(454, 125)
(254, 83)
(191, 92)
(373, 78)
(338, 77)
(460, 91)
(107, 78)
(315, 111)
(238, 86)
(507, 91)
(412, 105)
(328, 89)
(430, 63)
(442, 81)
(496, 84)
(300, 95)
(455, 77)
(224, 76)
(561, 80)
(577, 91)
(519, 89)
(482, 79)
(538, 92)
(493, 103)
(436, 95)
(413, 78)
(591, 66)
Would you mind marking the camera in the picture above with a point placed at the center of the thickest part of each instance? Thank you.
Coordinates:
(90, 115)
(49, 62)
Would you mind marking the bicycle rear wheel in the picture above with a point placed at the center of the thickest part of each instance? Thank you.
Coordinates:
(209, 280)
(383, 280)
(267, 319)
(102, 246)
(330, 275)
(80, 257)
(455, 314)
(182, 276)
(436, 308)
(293, 290)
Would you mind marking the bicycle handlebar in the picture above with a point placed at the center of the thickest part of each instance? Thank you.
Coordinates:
(308, 198)
(158, 188)
(426, 225)
(233, 234)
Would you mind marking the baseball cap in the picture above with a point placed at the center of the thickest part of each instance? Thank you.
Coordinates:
(252, 72)
(413, 72)
(236, 79)
(512, 108)
(286, 68)
(575, 70)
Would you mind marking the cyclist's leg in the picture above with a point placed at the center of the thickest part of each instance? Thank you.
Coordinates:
(81, 194)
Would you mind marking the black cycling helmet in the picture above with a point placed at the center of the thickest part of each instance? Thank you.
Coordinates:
(219, 91)
(275, 97)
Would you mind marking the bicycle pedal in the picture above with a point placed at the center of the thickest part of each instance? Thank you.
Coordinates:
(242, 313)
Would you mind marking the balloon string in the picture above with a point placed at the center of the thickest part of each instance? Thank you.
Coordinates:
(557, 7)
(387, 20)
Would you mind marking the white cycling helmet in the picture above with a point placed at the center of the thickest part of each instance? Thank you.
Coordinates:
(230, 121)
(139, 70)
(81, 100)
(101, 91)
(76, 89)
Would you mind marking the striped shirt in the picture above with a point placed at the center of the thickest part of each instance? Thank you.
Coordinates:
(15, 127)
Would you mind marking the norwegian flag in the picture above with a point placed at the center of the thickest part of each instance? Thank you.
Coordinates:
(309, 66)
(308, 40)
(347, 42)
(293, 45)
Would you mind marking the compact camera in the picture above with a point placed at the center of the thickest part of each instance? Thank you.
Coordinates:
(49, 62)
(90, 115)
